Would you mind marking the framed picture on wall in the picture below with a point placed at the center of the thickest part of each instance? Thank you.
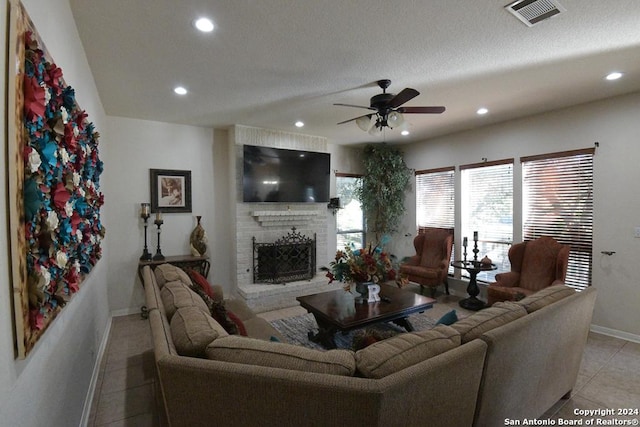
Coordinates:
(170, 190)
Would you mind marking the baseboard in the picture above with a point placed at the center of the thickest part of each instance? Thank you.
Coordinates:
(88, 402)
(125, 312)
(615, 333)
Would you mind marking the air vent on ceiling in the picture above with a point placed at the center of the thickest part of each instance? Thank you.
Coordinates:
(533, 11)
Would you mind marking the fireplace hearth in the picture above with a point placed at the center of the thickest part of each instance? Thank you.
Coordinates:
(288, 259)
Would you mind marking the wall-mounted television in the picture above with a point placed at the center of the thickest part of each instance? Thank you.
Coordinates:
(287, 176)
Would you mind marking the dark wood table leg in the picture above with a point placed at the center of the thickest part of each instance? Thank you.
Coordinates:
(403, 322)
(472, 303)
(325, 334)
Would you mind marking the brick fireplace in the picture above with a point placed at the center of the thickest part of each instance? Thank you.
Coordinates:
(268, 222)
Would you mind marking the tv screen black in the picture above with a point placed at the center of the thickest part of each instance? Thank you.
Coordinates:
(278, 175)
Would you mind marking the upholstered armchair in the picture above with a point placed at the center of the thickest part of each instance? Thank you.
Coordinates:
(535, 264)
(429, 266)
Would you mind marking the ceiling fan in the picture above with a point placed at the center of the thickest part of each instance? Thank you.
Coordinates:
(388, 109)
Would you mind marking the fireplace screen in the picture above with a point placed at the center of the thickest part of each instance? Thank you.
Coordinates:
(290, 258)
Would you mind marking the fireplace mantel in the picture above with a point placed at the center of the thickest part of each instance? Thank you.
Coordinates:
(283, 218)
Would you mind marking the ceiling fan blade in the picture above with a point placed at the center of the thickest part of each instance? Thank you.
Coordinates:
(356, 118)
(356, 106)
(421, 110)
(407, 94)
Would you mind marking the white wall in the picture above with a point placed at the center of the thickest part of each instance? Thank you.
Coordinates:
(137, 146)
(49, 387)
(614, 124)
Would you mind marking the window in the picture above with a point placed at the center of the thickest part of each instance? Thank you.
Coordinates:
(558, 202)
(487, 207)
(349, 219)
(435, 201)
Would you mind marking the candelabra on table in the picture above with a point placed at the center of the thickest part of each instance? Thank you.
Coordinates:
(473, 267)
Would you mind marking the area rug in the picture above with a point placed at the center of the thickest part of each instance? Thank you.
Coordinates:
(295, 329)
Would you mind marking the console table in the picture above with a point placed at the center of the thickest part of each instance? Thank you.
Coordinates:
(198, 263)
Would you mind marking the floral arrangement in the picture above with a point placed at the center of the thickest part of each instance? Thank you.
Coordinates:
(61, 188)
(362, 265)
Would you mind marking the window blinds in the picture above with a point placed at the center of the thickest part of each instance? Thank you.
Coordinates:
(558, 202)
(487, 207)
(435, 201)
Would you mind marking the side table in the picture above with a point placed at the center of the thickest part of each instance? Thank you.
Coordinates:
(200, 264)
(473, 267)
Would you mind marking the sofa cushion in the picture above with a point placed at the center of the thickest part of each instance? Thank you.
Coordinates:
(170, 273)
(394, 354)
(252, 351)
(192, 330)
(545, 297)
(176, 295)
(478, 323)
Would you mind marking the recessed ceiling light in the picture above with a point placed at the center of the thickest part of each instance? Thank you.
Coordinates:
(404, 133)
(299, 124)
(482, 111)
(614, 76)
(204, 24)
(180, 90)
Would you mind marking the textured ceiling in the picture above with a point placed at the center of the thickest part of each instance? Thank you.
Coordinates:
(269, 63)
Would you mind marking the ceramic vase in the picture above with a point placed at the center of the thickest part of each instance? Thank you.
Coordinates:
(363, 290)
(198, 240)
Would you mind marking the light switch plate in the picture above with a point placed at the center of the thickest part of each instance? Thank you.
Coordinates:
(637, 232)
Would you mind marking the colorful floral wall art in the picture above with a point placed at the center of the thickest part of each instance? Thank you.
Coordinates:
(61, 198)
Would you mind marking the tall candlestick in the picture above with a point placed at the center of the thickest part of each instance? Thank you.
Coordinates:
(464, 249)
(145, 213)
(158, 216)
(475, 236)
(158, 256)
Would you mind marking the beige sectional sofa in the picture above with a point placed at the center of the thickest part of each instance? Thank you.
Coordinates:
(509, 361)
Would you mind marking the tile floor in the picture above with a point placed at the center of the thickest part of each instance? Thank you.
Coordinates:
(127, 394)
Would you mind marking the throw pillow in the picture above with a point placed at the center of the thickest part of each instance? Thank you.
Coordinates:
(364, 338)
(217, 310)
(199, 280)
(242, 330)
(448, 319)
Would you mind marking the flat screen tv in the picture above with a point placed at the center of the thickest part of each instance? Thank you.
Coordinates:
(288, 176)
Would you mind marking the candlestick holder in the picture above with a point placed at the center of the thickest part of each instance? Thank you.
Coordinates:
(158, 256)
(145, 214)
(475, 248)
(464, 253)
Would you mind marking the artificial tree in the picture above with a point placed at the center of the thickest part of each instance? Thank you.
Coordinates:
(382, 192)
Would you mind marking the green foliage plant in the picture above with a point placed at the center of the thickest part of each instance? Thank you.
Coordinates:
(385, 181)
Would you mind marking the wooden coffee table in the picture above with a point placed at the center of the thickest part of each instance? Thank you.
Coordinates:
(334, 311)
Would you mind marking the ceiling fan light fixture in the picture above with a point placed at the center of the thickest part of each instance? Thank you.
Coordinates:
(395, 119)
(366, 122)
